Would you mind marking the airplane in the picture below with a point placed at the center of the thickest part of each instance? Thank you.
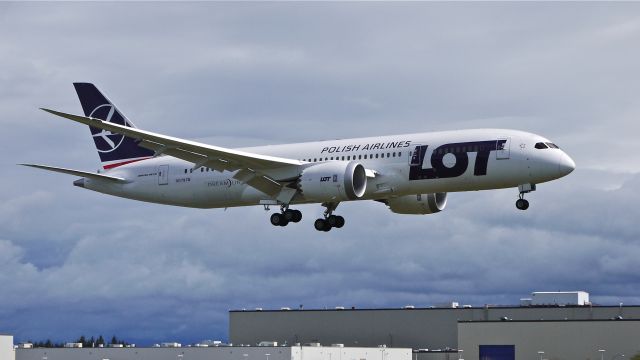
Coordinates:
(410, 174)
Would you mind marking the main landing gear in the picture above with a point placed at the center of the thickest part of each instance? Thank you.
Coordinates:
(285, 216)
(522, 203)
(330, 221)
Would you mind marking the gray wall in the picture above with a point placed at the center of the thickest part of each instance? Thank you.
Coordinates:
(216, 353)
(431, 328)
(560, 340)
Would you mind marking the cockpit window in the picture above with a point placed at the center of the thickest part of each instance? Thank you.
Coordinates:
(552, 145)
(541, 145)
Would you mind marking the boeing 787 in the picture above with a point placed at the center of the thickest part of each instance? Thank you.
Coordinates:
(411, 173)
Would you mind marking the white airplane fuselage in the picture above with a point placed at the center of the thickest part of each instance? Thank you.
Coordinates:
(422, 163)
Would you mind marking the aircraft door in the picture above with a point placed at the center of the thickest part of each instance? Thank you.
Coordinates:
(163, 174)
(503, 148)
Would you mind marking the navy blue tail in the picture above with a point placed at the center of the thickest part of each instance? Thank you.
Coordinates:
(114, 149)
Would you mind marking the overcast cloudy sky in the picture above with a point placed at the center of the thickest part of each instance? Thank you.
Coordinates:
(77, 262)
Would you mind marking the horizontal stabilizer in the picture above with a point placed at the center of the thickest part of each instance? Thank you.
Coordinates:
(84, 174)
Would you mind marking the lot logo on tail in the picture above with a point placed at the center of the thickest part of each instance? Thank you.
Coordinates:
(106, 141)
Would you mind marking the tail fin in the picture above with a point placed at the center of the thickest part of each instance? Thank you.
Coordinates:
(114, 149)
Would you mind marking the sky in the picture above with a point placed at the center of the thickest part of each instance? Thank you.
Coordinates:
(76, 262)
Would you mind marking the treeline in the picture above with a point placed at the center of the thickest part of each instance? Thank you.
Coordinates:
(86, 342)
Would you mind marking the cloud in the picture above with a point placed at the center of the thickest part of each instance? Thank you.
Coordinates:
(74, 261)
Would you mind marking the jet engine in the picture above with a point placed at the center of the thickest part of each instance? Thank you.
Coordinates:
(419, 204)
(333, 181)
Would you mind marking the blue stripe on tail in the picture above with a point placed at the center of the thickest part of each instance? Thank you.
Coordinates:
(113, 149)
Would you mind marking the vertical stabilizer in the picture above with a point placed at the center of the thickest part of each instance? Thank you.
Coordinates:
(114, 149)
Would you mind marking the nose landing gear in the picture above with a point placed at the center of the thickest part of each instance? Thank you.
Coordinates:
(522, 203)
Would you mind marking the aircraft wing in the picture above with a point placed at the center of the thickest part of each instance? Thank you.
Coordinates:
(268, 174)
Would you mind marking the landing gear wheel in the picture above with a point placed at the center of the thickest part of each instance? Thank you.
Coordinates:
(296, 215)
(336, 221)
(288, 214)
(322, 225)
(522, 204)
(279, 220)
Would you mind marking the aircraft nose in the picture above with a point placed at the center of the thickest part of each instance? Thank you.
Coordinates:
(565, 165)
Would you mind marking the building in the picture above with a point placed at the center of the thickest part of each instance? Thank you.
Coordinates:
(550, 339)
(6, 347)
(450, 332)
(580, 298)
(217, 353)
(416, 328)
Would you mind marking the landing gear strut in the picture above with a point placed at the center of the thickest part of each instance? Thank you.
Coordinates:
(522, 203)
(330, 221)
(285, 216)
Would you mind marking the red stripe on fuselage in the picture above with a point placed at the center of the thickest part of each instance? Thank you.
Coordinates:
(111, 166)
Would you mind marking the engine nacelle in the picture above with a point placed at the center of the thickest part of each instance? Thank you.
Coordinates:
(419, 204)
(333, 181)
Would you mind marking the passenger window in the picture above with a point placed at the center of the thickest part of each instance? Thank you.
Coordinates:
(388, 155)
(365, 156)
(394, 154)
(185, 171)
(359, 157)
(376, 156)
(541, 145)
(314, 160)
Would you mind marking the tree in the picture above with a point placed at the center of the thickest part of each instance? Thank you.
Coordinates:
(100, 340)
(48, 344)
(114, 340)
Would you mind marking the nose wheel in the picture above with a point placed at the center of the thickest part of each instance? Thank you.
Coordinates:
(286, 216)
(522, 203)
